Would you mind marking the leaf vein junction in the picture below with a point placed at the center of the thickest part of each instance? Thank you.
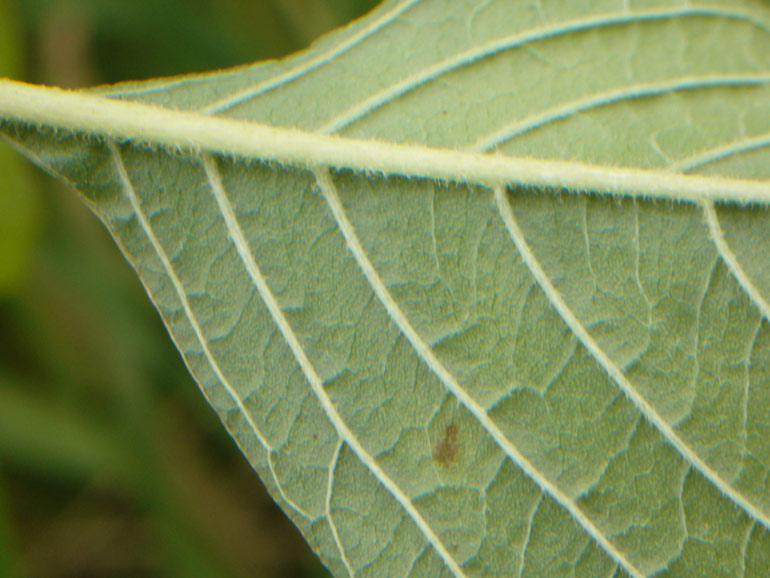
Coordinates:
(130, 193)
(122, 120)
(729, 258)
(425, 353)
(580, 331)
(332, 524)
(614, 96)
(742, 145)
(346, 434)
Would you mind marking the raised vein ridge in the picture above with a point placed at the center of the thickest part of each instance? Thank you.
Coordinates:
(716, 154)
(133, 199)
(729, 258)
(193, 132)
(346, 434)
(328, 506)
(298, 71)
(614, 96)
(449, 381)
(494, 47)
(647, 410)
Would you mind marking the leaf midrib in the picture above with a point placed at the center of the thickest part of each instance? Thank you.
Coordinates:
(472, 168)
(154, 126)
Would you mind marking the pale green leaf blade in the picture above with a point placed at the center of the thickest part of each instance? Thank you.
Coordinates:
(446, 363)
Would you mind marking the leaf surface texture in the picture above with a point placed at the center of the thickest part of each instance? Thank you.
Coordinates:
(446, 376)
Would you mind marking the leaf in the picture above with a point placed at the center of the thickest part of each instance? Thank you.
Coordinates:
(480, 288)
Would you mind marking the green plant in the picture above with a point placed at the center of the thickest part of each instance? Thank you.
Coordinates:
(547, 360)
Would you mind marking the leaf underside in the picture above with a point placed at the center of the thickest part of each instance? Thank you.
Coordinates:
(440, 378)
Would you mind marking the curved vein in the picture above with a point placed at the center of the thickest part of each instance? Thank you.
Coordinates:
(267, 85)
(712, 219)
(718, 237)
(528, 535)
(238, 239)
(655, 89)
(303, 68)
(335, 534)
(722, 152)
(614, 96)
(128, 189)
(155, 126)
(609, 366)
(425, 353)
(473, 55)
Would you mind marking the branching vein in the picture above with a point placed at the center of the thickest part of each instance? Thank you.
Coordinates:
(427, 355)
(200, 133)
(155, 126)
(729, 258)
(712, 219)
(742, 145)
(647, 410)
(614, 96)
(133, 199)
(332, 524)
(478, 53)
(238, 239)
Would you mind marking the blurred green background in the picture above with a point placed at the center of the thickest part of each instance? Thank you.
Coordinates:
(111, 462)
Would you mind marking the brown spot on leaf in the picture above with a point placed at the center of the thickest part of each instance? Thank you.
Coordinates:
(447, 449)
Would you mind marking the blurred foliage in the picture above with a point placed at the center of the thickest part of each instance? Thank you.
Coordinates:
(111, 462)
(19, 210)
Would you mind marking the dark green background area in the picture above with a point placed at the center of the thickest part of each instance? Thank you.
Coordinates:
(111, 463)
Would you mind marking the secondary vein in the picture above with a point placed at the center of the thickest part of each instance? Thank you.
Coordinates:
(238, 239)
(609, 366)
(130, 193)
(426, 354)
(475, 54)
